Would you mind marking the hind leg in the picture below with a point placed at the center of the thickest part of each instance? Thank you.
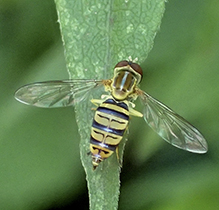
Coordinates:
(117, 156)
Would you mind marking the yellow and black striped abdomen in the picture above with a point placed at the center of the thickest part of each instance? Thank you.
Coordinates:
(110, 122)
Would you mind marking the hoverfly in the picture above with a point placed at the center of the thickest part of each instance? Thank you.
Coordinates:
(112, 114)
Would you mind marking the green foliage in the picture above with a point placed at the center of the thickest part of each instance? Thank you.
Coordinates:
(40, 164)
(96, 36)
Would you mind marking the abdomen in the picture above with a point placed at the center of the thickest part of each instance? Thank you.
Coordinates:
(109, 124)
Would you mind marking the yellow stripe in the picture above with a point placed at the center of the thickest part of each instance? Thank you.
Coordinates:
(111, 121)
(115, 107)
(105, 137)
(100, 150)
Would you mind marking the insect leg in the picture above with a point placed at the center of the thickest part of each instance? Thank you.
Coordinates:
(135, 112)
(96, 102)
(117, 156)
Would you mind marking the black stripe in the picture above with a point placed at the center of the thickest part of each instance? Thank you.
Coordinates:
(106, 129)
(113, 112)
(120, 104)
(107, 146)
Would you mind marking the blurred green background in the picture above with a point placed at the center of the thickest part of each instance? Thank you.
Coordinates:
(39, 148)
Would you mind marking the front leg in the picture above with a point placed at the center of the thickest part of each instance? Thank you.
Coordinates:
(97, 102)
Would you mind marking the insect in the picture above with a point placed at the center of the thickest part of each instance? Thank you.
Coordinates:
(113, 111)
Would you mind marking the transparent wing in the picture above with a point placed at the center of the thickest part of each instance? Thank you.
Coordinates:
(172, 127)
(56, 93)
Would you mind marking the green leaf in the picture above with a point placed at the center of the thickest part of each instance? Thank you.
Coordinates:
(96, 35)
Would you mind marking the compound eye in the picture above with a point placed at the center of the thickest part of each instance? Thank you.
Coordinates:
(122, 64)
(137, 68)
(134, 66)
